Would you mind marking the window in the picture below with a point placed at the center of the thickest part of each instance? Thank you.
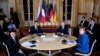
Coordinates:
(67, 6)
(28, 9)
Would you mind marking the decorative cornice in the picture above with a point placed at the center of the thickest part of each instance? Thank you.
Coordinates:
(82, 13)
(97, 16)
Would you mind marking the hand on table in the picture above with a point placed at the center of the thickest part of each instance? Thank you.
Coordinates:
(20, 51)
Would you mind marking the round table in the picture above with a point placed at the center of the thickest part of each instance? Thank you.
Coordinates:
(48, 43)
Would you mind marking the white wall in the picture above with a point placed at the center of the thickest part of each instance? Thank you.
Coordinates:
(12, 4)
(6, 5)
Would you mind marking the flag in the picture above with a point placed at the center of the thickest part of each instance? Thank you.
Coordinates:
(43, 18)
(39, 15)
(55, 16)
(51, 13)
(47, 12)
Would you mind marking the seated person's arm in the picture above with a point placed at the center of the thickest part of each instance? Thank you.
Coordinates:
(83, 42)
(78, 43)
(20, 51)
(66, 31)
(89, 32)
(59, 30)
(31, 31)
(40, 30)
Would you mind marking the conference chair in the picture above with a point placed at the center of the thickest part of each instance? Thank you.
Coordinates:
(88, 54)
(6, 49)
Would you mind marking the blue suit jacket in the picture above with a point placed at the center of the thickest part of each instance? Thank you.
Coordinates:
(64, 31)
(35, 31)
(83, 44)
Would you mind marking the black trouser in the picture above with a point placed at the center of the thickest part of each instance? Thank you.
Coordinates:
(5, 38)
(1, 48)
(16, 54)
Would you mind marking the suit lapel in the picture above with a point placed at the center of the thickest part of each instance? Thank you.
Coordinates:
(14, 42)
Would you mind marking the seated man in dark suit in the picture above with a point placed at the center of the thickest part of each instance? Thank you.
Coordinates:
(63, 29)
(6, 24)
(83, 22)
(2, 31)
(13, 45)
(82, 42)
(4, 28)
(35, 29)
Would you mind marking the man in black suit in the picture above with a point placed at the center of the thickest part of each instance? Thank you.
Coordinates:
(63, 29)
(13, 45)
(92, 27)
(35, 29)
(83, 23)
(2, 31)
(2, 15)
(6, 23)
(2, 36)
(14, 17)
(92, 30)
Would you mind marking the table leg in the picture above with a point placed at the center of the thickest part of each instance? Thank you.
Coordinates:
(38, 51)
(59, 50)
(50, 54)
(32, 54)
(56, 52)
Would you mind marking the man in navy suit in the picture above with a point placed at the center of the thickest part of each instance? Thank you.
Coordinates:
(13, 45)
(35, 29)
(63, 29)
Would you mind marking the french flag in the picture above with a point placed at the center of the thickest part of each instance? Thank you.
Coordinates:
(43, 18)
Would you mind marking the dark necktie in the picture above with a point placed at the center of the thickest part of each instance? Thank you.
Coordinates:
(89, 27)
(82, 23)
